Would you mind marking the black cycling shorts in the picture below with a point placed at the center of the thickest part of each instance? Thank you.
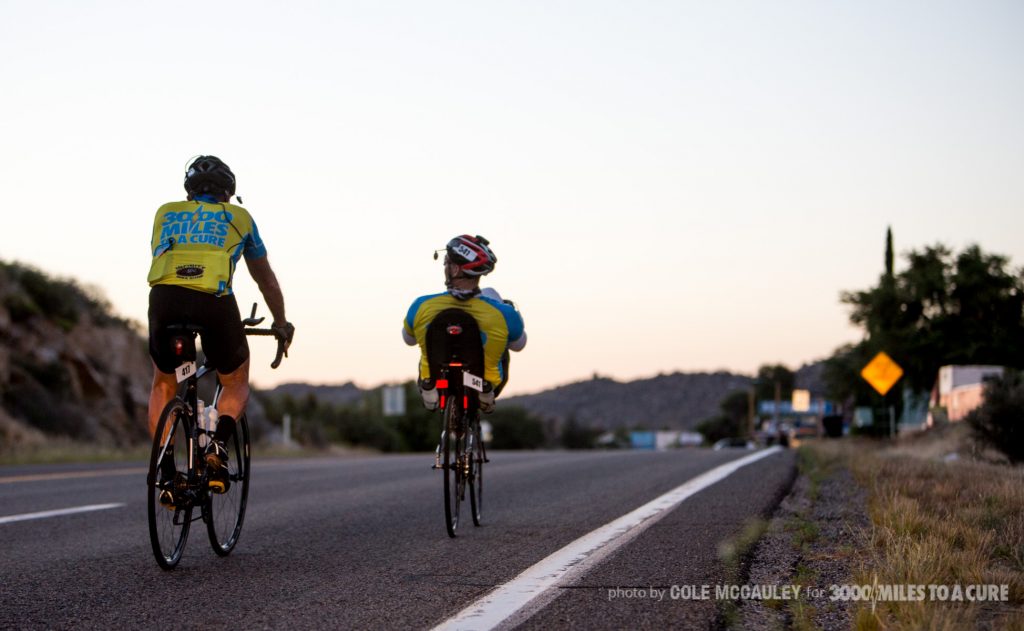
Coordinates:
(223, 336)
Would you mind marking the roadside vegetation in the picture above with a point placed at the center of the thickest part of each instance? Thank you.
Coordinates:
(933, 522)
(58, 451)
(362, 424)
(999, 422)
(32, 293)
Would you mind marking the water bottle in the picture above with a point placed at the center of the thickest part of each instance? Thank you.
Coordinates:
(201, 421)
(212, 416)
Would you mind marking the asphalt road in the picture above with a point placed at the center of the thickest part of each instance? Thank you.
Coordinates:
(360, 543)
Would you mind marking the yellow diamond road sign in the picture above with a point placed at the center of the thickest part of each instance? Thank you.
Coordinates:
(882, 373)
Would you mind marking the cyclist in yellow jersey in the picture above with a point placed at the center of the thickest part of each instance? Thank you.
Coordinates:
(196, 245)
(467, 259)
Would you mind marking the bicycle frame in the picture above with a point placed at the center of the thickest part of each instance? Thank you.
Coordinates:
(460, 453)
(223, 512)
(195, 490)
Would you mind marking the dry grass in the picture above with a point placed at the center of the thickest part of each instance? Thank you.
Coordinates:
(67, 451)
(938, 523)
(733, 552)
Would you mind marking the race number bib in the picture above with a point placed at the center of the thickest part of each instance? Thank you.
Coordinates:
(185, 371)
(472, 381)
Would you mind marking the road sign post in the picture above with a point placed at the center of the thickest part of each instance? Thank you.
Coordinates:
(882, 373)
(393, 400)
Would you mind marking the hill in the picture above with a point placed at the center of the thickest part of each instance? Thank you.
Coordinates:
(675, 401)
(346, 394)
(68, 366)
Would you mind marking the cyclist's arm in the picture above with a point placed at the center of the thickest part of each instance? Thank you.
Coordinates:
(516, 328)
(409, 338)
(266, 280)
(518, 344)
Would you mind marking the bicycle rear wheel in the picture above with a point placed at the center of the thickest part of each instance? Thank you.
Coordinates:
(169, 524)
(476, 473)
(224, 512)
(453, 446)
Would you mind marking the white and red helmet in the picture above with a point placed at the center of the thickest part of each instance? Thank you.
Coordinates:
(472, 255)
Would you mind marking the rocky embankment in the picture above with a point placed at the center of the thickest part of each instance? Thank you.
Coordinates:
(68, 366)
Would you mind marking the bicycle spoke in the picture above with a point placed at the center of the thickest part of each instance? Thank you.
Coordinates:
(169, 523)
(225, 512)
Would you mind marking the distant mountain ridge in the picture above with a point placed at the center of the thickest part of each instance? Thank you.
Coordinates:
(675, 401)
(69, 367)
(340, 395)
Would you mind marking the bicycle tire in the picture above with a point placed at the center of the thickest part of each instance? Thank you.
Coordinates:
(168, 529)
(225, 512)
(452, 443)
(476, 474)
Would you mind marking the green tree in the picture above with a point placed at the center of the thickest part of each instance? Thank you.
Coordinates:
(999, 421)
(419, 428)
(842, 374)
(941, 310)
(888, 253)
(578, 436)
(515, 428)
(770, 375)
(731, 421)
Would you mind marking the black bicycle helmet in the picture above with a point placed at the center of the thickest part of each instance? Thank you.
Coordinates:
(208, 175)
(472, 254)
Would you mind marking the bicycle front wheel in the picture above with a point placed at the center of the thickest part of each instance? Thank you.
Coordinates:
(226, 511)
(169, 520)
(453, 445)
(476, 473)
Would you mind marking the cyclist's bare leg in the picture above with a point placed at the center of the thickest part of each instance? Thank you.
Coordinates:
(236, 391)
(164, 387)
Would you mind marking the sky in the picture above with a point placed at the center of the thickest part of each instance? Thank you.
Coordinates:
(668, 186)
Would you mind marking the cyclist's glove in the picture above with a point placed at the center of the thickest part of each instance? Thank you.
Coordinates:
(284, 332)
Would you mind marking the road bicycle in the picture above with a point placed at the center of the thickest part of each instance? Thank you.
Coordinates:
(455, 354)
(186, 426)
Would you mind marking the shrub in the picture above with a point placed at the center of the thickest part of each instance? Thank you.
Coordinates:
(999, 421)
(515, 428)
(718, 427)
(578, 436)
(61, 300)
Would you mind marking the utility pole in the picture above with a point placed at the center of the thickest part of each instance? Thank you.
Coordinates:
(778, 401)
(750, 411)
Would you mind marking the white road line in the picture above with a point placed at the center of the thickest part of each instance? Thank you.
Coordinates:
(57, 513)
(515, 601)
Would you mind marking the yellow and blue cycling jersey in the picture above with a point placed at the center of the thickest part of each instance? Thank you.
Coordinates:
(500, 324)
(196, 244)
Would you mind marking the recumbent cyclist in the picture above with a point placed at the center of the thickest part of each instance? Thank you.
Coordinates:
(467, 259)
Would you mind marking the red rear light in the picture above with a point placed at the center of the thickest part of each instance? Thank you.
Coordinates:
(179, 346)
(442, 401)
(459, 364)
(442, 383)
(455, 329)
(465, 402)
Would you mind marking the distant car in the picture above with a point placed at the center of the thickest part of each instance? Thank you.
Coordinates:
(734, 443)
